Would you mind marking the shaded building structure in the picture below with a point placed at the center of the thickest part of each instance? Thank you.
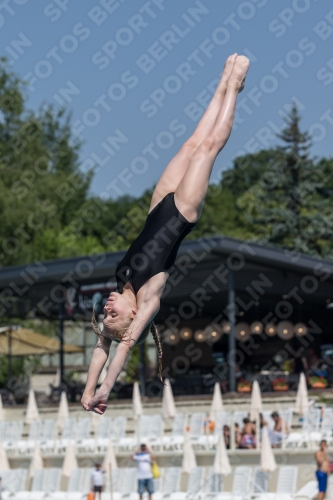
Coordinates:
(229, 307)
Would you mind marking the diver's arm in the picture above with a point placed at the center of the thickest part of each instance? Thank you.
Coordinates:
(144, 316)
(98, 360)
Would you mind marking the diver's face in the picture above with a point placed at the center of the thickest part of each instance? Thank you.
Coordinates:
(118, 313)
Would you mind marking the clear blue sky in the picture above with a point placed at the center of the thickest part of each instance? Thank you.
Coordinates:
(135, 70)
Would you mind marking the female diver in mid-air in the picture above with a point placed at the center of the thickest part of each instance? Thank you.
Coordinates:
(175, 207)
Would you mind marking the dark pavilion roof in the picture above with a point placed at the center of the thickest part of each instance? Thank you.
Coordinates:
(259, 271)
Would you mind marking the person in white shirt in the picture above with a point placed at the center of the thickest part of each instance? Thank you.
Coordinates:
(143, 458)
(97, 479)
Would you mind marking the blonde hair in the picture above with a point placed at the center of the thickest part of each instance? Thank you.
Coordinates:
(120, 335)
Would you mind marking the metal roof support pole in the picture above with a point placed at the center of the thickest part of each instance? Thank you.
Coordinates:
(232, 342)
(142, 369)
(10, 371)
(61, 344)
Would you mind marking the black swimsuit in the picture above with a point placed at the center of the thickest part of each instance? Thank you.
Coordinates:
(156, 247)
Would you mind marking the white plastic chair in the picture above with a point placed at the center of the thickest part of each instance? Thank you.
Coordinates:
(75, 480)
(47, 437)
(118, 435)
(222, 418)
(287, 415)
(83, 428)
(68, 434)
(83, 440)
(129, 481)
(38, 484)
(103, 433)
(176, 440)
(27, 446)
(310, 434)
(213, 482)
(197, 423)
(38, 480)
(116, 481)
(171, 483)
(241, 481)
(294, 440)
(194, 487)
(86, 480)
(239, 417)
(287, 480)
(286, 485)
(3, 430)
(273, 496)
(14, 480)
(110, 428)
(196, 429)
(118, 429)
(144, 425)
(74, 487)
(151, 429)
(327, 425)
(53, 480)
(310, 490)
(12, 436)
(260, 481)
(196, 480)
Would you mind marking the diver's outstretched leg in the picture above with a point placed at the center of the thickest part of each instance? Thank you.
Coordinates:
(177, 167)
(191, 191)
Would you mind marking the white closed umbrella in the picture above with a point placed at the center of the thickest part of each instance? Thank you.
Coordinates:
(110, 458)
(2, 413)
(256, 403)
(267, 456)
(221, 461)
(168, 402)
(302, 400)
(217, 403)
(63, 412)
(70, 461)
(32, 414)
(189, 460)
(136, 401)
(4, 464)
(36, 461)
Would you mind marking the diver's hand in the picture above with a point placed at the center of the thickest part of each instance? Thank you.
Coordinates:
(98, 403)
(86, 397)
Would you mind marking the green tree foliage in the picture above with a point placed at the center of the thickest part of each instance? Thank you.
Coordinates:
(22, 367)
(38, 163)
(290, 205)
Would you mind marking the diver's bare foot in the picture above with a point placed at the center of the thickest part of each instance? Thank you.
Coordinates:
(238, 74)
(228, 66)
